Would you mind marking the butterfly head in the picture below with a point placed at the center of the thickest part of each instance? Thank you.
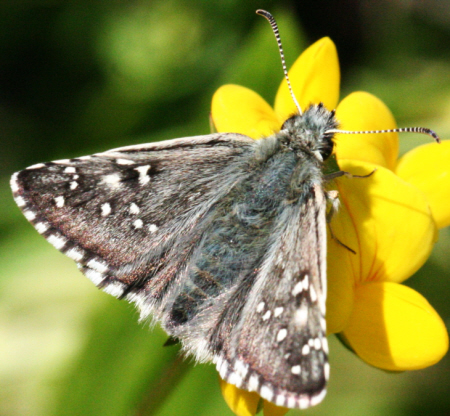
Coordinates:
(309, 133)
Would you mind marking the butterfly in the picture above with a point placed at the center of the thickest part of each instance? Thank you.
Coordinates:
(220, 238)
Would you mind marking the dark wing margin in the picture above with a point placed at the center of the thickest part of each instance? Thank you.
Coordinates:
(118, 214)
(277, 345)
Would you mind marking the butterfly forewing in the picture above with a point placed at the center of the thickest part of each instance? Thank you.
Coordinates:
(126, 214)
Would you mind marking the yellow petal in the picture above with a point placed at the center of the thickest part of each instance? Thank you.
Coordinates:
(241, 402)
(428, 168)
(237, 109)
(391, 219)
(272, 410)
(315, 78)
(393, 327)
(363, 111)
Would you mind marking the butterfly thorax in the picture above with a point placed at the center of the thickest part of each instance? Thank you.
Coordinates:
(306, 134)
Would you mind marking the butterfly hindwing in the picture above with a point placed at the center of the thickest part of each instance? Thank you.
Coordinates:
(277, 345)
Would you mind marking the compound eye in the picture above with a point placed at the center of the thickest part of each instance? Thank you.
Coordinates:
(327, 148)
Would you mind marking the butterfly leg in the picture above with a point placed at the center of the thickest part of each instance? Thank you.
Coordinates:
(333, 201)
(340, 173)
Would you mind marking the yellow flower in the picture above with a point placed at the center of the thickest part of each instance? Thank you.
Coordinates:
(390, 218)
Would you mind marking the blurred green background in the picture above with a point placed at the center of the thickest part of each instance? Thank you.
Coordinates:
(78, 77)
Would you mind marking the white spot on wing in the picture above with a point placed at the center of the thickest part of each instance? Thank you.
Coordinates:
(280, 400)
(106, 209)
(266, 393)
(41, 227)
(260, 307)
(301, 315)
(323, 324)
(115, 289)
(291, 402)
(236, 379)
(94, 276)
(20, 201)
(124, 162)
(253, 383)
(298, 288)
(73, 185)
(326, 370)
(218, 360)
(97, 266)
(223, 370)
(57, 241)
(304, 402)
(306, 282)
(134, 209)
(143, 177)
(278, 311)
(75, 254)
(282, 333)
(14, 184)
(317, 344)
(138, 223)
(306, 349)
(266, 316)
(29, 215)
(296, 369)
(112, 180)
(153, 228)
(241, 368)
(325, 345)
(59, 200)
(70, 169)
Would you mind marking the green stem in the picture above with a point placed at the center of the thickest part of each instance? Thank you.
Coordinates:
(158, 390)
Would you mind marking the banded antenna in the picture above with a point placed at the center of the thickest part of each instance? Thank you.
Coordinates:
(276, 32)
(422, 130)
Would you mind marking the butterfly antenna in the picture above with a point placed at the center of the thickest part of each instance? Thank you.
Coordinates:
(422, 130)
(276, 32)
